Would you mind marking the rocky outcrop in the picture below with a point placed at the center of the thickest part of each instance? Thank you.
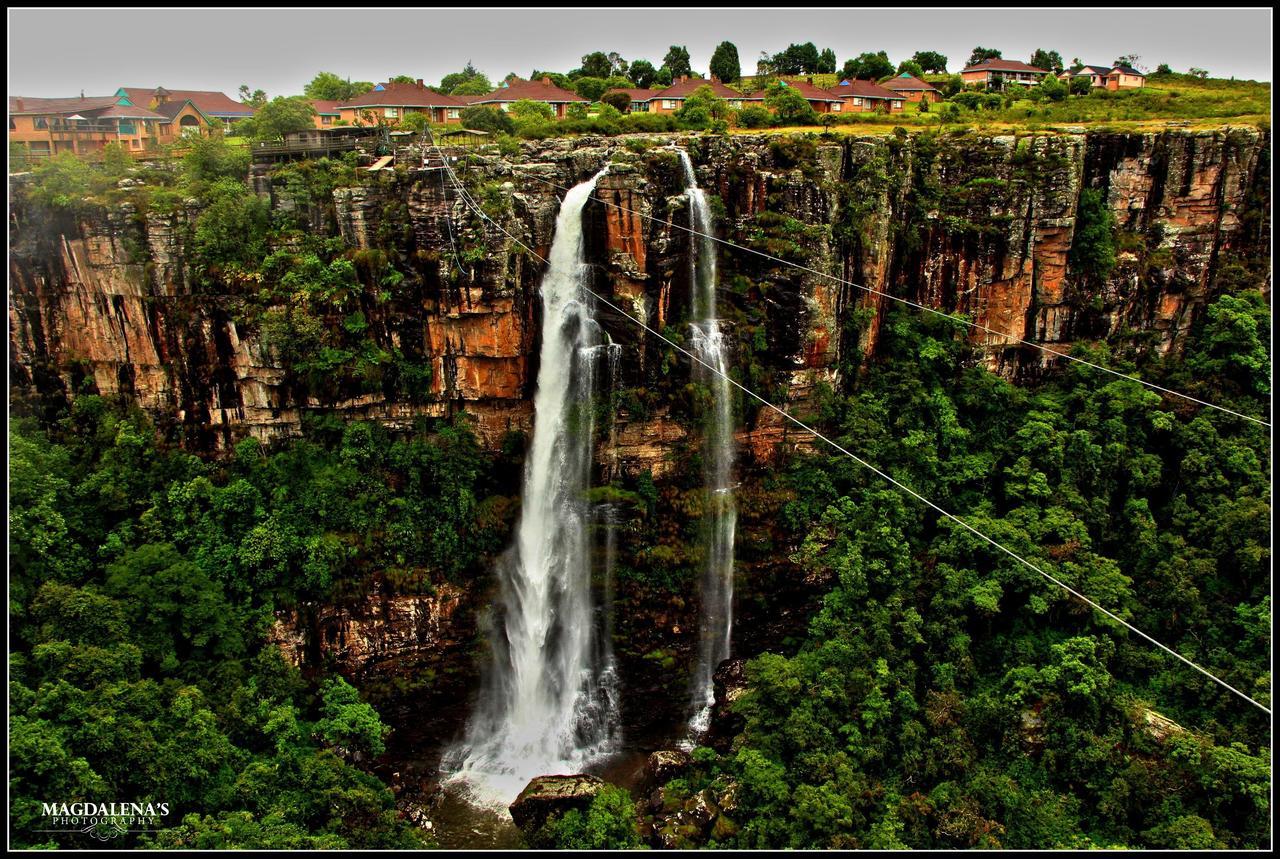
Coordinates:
(966, 224)
(549, 795)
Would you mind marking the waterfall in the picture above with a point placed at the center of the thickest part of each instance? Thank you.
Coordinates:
(720, 516)
(549, 704)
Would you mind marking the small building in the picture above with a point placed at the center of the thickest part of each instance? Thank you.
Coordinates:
(215, 107)
(672, 98)
(988, 72)
(913, 89)
(389, 103)
(84, 126)
(1097, 75)
(859, 96)
(517, 89)
(640, 98)
(328, 113)
(1125, 77)
(821, 100)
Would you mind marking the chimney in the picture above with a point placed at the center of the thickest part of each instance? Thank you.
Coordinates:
(546, 81)
(683, 78)
(810, 78)
(421, 85)
(20, 104)
(715, 80)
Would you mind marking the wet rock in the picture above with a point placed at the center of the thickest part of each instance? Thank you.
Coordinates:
(664, 765)
(729, 682)
(553, 794)
(700, 810)
(727, 797)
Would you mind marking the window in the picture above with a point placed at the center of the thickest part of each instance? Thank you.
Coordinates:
(736, 104)
(453, 113)
(506, 106)
(326, 120)
(857, 102)
(668, 104)
(41, 122)
(391, 112)
(897, 104)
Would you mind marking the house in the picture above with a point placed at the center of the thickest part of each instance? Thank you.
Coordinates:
(215, 107)
(1097, 75)
(1109, 77)
(1000, 72)
(672, 98)
(516, 89)
(1125, 77)
(858, 96)
(640, 98)
(821, 100)
(913, 89)
(388, 103)
(328, 113)
(83, 126)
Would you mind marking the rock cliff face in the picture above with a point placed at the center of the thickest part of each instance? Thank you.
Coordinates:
(971, 224)
(976, 225)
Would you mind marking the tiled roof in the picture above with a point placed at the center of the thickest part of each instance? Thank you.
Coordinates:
(59, 105)
(636, 94)
(685, 88)
(907, 82)
(1004, 66)
(126, 111)
(1091, 70)
(863, 89)
(806, 89)
(1128, 70)
(517, 89)
(209, 102)
(325, 107)
(402, 95)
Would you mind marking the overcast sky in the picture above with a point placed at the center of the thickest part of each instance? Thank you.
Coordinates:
(60, 52)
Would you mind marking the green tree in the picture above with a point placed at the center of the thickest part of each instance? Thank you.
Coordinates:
(348, 723)
(980, 54)
(488, 119)
(724, 63)
(910, 67)
(590, 88)
(789, 107)
(826, 62)
(327, 86)
(1093, 245)
(677, 62)
(596, 65)
(255, 98)
(469, 79)
(931, 61)
(643, 74)
(277, 118)
(609, 823)
(1049, 60)
(868, 66)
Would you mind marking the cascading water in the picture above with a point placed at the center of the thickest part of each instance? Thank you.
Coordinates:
(550, 701)
(720, 517)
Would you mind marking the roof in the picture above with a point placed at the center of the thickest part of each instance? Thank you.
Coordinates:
(636, 94)
(129, 111)
(907, 82)
(209, 102)
(516, 89)
(1004, 66)
(685, 87)
(59, 105)
(1128, 70)
(1091, 70)
(863, 89)
(402, 95)
(325, 107)
(806, 89)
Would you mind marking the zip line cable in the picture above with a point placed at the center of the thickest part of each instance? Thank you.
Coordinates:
(466, 197)
(918, 306)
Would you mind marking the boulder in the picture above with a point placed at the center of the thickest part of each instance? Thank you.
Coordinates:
(664, 765)
(729, 682)
(549, 795)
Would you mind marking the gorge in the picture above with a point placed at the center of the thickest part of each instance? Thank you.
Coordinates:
(630, 490)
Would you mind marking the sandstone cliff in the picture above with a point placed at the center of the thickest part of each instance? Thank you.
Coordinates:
(970, 224)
